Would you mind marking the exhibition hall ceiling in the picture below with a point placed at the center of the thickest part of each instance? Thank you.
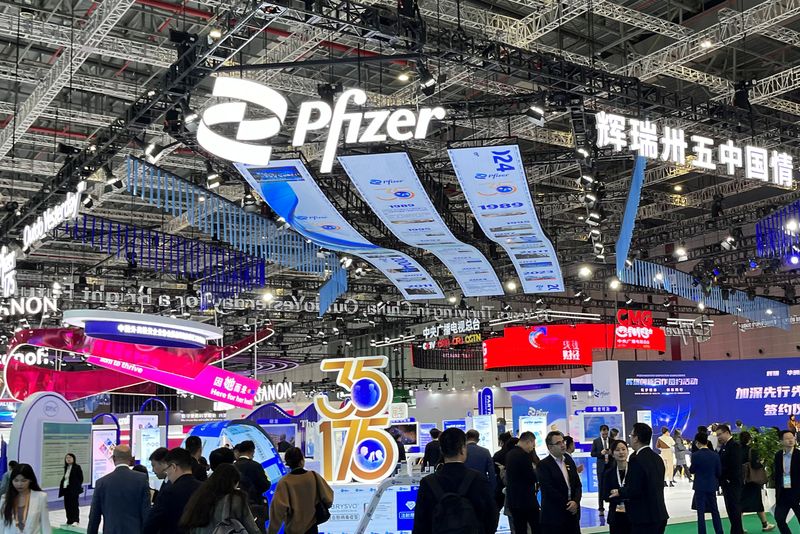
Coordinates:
(69, 70)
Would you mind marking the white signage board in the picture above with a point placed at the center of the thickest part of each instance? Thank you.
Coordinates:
(494, 184)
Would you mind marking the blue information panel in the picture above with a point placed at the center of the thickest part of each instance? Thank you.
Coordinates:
(391, 187)
(292, 193)
(494, 183)
(455, 423)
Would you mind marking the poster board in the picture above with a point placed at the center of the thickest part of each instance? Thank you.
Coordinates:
(140, 422)
(103, 445)
(538, 425)
(57, 440)
(149, 440)
(486, 425)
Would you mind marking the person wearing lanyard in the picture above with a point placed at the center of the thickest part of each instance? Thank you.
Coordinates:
(24, 506)
(707, 469)
(602, 452)
(787, 480)
(614, 480)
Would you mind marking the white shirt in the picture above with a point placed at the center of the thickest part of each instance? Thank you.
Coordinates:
(563, 466)
(66, 475)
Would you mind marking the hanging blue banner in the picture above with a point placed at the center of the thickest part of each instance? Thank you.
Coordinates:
(629, 218)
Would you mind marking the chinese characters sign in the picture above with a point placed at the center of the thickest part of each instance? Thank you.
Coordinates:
(455, 327)
(368, 453)
(671, 145)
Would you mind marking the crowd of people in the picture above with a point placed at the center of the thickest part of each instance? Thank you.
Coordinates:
(189, 500)
(466, 492)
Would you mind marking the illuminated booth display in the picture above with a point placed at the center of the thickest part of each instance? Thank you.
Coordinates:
(368, 453)
(544, 345)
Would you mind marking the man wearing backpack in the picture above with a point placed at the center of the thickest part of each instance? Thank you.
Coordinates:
(455, 499)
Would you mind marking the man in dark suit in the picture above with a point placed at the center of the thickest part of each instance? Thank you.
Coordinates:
(199, 464)
(433, 452)
(706, 468)
(787, 481)
(644, 485)
(521, 481)
(600, 451)
(168, 509)
(454, 477)
(730, 454)
(479, 459)
(121, 498)
(254, 482)
(561, 488)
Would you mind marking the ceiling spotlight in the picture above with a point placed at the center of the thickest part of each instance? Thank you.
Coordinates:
(403, 77)
(587, 298)
(201, 198)
(578, 292)
(215, 34)
(667, 302)
(628, 300)
(614, 284)
(451, 299)
(511, 285)
(585, 272)
(154, 152)
(769, 311)
(268, 296)
(706, 43)
(535, 114)
(328, 91)
(587, 179)
(677, 188)
(61, 148)
(87, 202)
(794, 259)
(628, 263)
(426, 80)
(792, 226)
(583, 152)
(701, 306)
(346, 262)
(505, 306)
(659, 276)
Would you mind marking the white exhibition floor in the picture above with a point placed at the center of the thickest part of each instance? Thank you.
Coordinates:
(678, 499)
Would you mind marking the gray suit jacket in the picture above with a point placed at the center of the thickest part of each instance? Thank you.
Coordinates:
(480, 459)
(122, 499)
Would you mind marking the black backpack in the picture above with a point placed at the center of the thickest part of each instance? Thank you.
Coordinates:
(454, 513)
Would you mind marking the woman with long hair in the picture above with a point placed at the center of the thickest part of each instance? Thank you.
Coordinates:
(665, 444)
(217, 500)
(680, 456)
(70, 487)
(294, 504)
(751, 493)
(615, 477)
(24, 506)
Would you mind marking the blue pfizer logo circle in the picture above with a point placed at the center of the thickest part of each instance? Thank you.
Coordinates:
(505, 189)
(375, 182)
(402, 194)
(329, 227)
(365, 394)
(369, 454)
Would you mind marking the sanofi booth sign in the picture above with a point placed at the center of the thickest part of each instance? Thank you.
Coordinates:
(374, 126)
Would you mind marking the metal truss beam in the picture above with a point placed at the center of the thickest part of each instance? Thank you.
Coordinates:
(59, 36)
(729, 30)
(783, 35)
(99, 24)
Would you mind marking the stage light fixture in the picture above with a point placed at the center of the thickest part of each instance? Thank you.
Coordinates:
(614, 284)
(535, 114)
(268, 296)
(511, 285)
(791, 226)
(451, 299)
(327, 92)
(706, 43)
(628, 300)
(582, 152)
(215, 34)
(346, 262)
(505, 306)
(585, 272)
(716, 206)
(427, 82)
(667, 302)
(154, 152)
(586, 179)
(659, 276)
(680, 252)
(87, 202)
(62, 148)
(701, 306)
(769, 311)
(794, 259)
(403, 77)
(677, 188)
(587, 298)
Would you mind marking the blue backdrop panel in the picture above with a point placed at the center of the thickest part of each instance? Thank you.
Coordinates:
(683, 395)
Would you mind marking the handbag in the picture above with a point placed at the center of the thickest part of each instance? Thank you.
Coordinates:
(754, 475)
(321, 512)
